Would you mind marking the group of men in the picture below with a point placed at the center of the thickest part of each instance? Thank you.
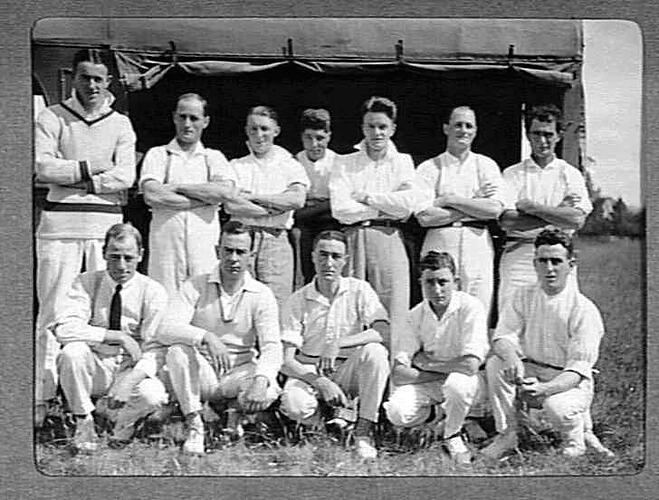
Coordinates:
(217, 318)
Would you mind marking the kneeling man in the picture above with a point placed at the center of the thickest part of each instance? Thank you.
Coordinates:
(334, 331)
(223, 332)
(445, 343)
(104, 323)
(546, 344)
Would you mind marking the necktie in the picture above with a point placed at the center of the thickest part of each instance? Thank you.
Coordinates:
(115, 310)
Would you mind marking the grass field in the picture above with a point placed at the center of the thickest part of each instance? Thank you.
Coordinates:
(610, 273)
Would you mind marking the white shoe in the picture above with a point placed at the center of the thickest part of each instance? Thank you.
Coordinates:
(365, 448)
(574, 450)
(458, 451)
(85, 439)
(194, 443)
(592, 441)
(502, 444)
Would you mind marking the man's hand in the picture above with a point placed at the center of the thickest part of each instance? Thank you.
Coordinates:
(327, 361)
(121, 391)
(98, 168)
(131, 346)
(254, 398)
(218, 352)
(486, 191)
(570, 200)
(513, 370)
(330, 392)
(360, 196)
(526, 206)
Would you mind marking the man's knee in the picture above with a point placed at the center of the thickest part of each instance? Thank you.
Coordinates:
(401, 409)
(179, 355)
(460, 387)
(563, 411)
(73, 354)
(298, 403)
(375, 354)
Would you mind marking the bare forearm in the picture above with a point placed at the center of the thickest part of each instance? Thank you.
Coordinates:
(480, 208)
(288, 200)
(563, 217)
(405, 375)
(564, 381)
(504, 349)
(436, 216)
(210, 193)
(244, 207)
(365, 337)
(512, 220)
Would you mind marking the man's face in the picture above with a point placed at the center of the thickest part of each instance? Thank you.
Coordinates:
(378, 128)
(189, 121)
(543, 138)
(552, 265)
(461, 129)
(90, 82)
(261, 132)
(315, 143)
(329, 258)
(122, 256)
(234, 252)
(438, 286)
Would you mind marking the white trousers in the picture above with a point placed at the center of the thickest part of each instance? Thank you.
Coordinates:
(194, 380)
(364, 373)
(58, 264)
(84, 374)
(473, 253)
(409, 405)
(181, 245)
(568, 412)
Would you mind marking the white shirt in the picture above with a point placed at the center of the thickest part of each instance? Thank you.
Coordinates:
(243, 322)
(82, 315)
(318, 172)
(461, 331)
(548, 186)
(273, 174)
(389, 182)
(561, 330)
(310, 320)
(446, 174)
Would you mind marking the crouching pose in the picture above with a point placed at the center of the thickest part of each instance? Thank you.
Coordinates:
(334, 331)
(105, 322)
(546, 344)
(445, 342)
(223, 332)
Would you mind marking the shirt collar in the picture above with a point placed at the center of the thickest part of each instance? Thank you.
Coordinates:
(275, 153)
(392, 150)
(249, 283)
(174, 147)
(74, 103)
(113, 284)
(450, 159)
(530, 162)
(312, 293)
(453, 306)
(304, 159)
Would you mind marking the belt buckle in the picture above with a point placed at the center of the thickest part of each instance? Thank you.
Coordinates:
(366, 223)
(457, 223)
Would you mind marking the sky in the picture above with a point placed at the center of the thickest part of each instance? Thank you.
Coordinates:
(612, 74)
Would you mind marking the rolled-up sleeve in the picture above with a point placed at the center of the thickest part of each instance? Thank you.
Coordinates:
(410, 343)
(175, 327)
(153, 166)
(370, 306)
(291, 323)
(266, 322)
(122, 175)
(74, 313)
(586, 331)
(474, 328)
(510, 326)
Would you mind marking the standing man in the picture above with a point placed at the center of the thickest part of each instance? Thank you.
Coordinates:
(106, 323)
(464, 191)
(544, 191)
(318, 162)
(271, 186)
(85, 152)
(183, 182)
(546, 344)
(223, 329)
(371, 193)
(438, 360)
(334, 332)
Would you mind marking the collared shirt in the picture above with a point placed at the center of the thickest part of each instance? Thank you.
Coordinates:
(66, 135)
(250, 329)
(461, 331)
(273, 174)
(389, 182)
(318, 172)
(309, 319)
(548, 186)
(561, 330)
(83, 315)
(446, 174)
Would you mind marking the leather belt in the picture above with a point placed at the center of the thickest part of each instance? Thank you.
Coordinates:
(376, 223)
(480, 224)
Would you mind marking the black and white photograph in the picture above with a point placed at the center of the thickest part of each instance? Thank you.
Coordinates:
(338, 247)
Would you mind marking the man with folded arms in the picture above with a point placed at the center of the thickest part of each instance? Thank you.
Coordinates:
(334, 331)
(223, 332)
(546, 343)
(106, 323)
(85, 152)
(439, 357)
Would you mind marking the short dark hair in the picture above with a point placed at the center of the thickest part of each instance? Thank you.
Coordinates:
(94, 56)
(377, 104)
(546, 113)
(330, 234)
(447, 116)
(122, 231)
(236, 227)
(192, 95)
(315, 119)
(266, 111)
(555, 237)
(434, 261)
